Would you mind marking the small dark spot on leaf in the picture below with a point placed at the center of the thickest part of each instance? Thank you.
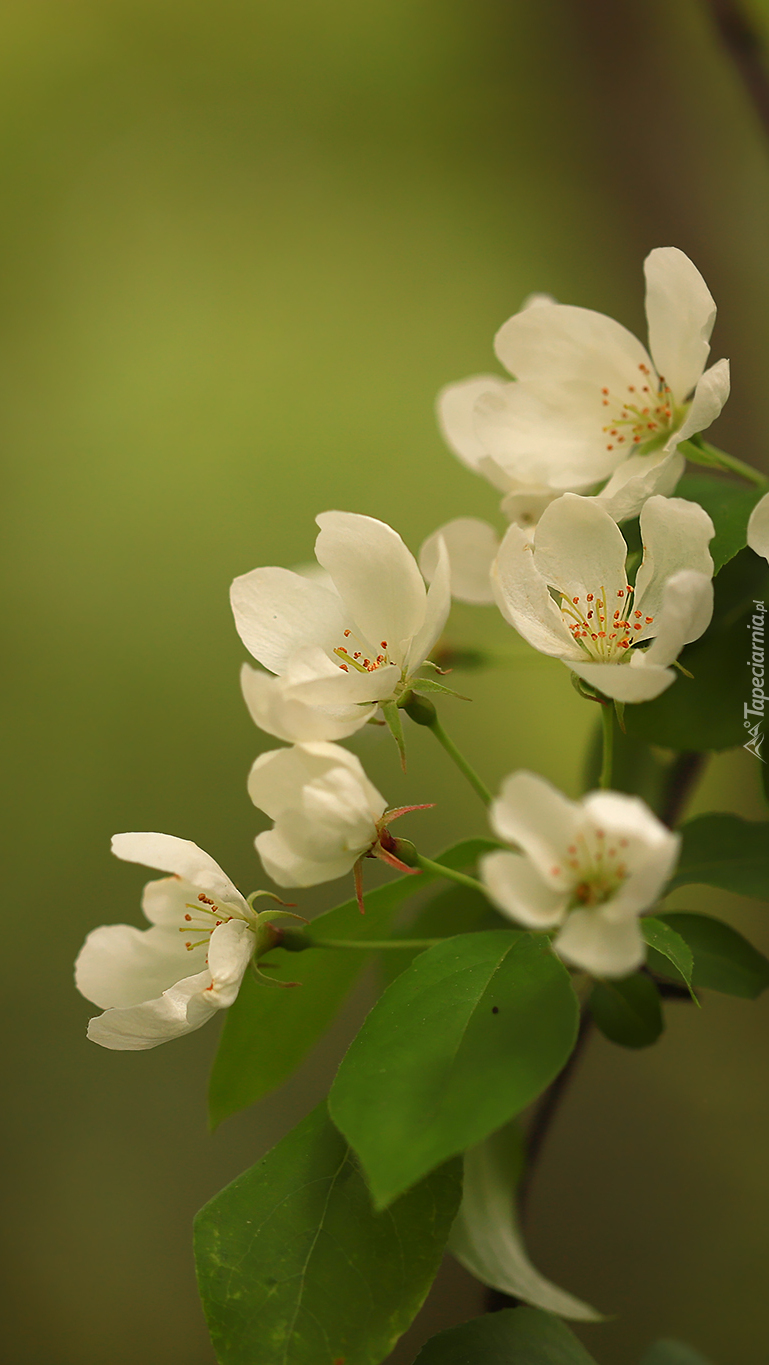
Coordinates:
(495, 1009)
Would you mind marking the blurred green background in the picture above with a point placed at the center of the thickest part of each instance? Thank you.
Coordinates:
(242, 246)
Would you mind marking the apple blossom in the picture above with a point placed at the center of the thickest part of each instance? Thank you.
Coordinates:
(327, 815)
(589, 868)
(159, 983)
(567, 592)
(339, 651)
(758, 527)
(589, 403)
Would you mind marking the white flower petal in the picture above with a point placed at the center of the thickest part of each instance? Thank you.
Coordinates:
(709, 397)
(579, 549)
(179, 1010)
(230, 951)
(121, 965)
(555, 441)
(375, 575)
(622, 682)
(522, 596)
(675, 535)
(600, 946)
(523, 505)
(547, 346)
(277, 777)
(472, 547)
(437, 608)
(681, 312)
(685, 614)
(455, 407)
(277, 611)
(180, 856)
(287, 867)
(516, 888)
(758, 527)
(638, 479)
(636, 838)
(532, 813)
(276, 708)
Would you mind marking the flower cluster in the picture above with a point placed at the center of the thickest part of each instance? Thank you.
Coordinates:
(586, 435)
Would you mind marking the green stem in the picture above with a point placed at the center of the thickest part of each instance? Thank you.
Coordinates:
(375, 945)
(701, 452)
(438, 870)
(607, 716)
(464, 767)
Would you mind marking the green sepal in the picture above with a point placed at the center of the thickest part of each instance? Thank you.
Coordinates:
(430, 685)
(295, 1267)
(667, 948)
(394, 723)
(723, 959)
(628, 1011)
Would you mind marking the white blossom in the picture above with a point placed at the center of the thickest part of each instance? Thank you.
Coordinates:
(758, 527)
(567, 591)
(589, 404)
(327, 815)
(159, 983)
(338, 651)
(588, 868)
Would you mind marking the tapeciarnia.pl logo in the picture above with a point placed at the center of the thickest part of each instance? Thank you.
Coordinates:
(755, 707)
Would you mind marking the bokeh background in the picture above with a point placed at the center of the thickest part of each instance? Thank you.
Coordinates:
(242, 244)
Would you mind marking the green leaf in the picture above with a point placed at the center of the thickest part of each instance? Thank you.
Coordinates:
(268, 1032)
(486, 1238)
(455, 910)
(294, 1266)
(672, 1353)
(706, 710)
(667, 947)
(723, 960)
(468, 1035)
(628, 1011)
(726, 851)
(516, 1336)
(728, 505)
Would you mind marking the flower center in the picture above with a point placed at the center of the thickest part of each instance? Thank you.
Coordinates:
(205, 917)
(359, 659)
(595, 868)
(604, 630)
(645, 418)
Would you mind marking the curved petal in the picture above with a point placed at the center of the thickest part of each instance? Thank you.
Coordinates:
(622, 682)
(181, 857)
(230, 951)
(519, 892)
(455, 407)
(638, 479)
(437, 608)
(532, 813)
(277, 778)
(121, 965)
(376, 577)
(681, 311)
(600, 946)
(522, 596)
(523, 506)
(472, 547)
(179, 1010)
(685, 614)
(280, 710)
(675, 535)
(555, 440)
(277, 611)
(709, 397)
(579, 549)
(647, 849)
(758, 527)
(287, 867)
(562, 344)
